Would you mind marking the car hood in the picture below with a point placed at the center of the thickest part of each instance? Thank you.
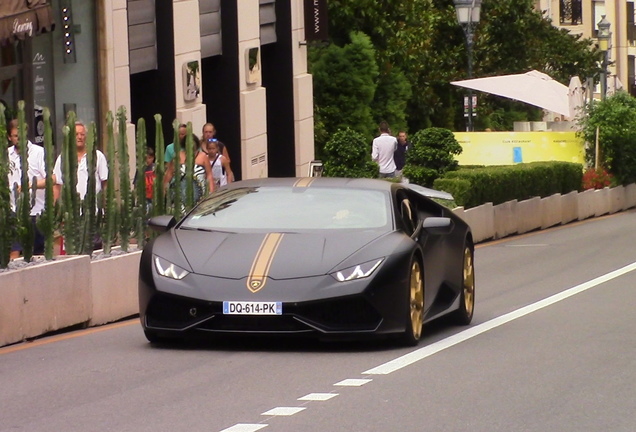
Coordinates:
(277, 255)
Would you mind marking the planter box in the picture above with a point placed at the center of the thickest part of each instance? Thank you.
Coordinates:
(480, 220)
(45, 297)
(114, 287)
(528, 215)
(551, 211)
(569, 207)
(586, 204)
(505, 216)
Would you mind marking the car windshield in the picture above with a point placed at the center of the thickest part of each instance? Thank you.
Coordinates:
(291, 209)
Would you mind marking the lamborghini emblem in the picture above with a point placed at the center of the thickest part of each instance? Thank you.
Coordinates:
(263, 261)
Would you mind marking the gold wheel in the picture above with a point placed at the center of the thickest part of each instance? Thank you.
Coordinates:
(416, 300)
(469, 282)
(464, 314)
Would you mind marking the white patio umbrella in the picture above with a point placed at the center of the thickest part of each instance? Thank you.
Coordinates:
(534, 88)
(576, 97)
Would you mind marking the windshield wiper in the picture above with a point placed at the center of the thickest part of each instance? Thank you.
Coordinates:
(205, 229)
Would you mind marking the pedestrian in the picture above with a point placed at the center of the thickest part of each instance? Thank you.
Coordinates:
(37, 169)
(383, 148)
(399, 156)
(149, 177)
(203, 181)
(101, 167)
(209, 134)
(221, 171)
(170, 153)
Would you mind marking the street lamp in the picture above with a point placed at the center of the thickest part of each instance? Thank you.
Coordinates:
(603, 45)
(468, 18)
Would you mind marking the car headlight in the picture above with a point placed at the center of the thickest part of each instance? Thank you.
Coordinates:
(360, 271)
(169, 270)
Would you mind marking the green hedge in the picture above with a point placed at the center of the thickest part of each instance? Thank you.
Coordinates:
(498, 184)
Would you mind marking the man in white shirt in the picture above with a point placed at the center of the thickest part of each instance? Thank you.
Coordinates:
(36, 168)
(382, 152)
(101, 171)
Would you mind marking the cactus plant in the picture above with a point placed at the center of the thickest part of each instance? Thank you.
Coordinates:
(111, 210)
(88, 215)
(159, 192)
(46, 221)
(125, 225)
(140, 209)
(25, 226)
(189, 169)
(70, 197)
(7, 219)
(177, 202)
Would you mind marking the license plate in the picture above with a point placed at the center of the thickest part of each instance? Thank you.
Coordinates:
(252, 308)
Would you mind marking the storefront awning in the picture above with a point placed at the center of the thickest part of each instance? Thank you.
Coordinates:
(20, 19)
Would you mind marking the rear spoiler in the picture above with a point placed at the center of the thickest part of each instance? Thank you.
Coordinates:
(429, 193)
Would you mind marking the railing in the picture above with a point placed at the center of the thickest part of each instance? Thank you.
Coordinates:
(570, 12)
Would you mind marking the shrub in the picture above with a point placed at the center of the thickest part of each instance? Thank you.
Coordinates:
(596, 179)
(457, 187)
(498, 184)
(615, 121)
(431, 155)
(348, 154)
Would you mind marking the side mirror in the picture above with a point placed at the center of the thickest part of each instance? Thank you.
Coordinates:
(161, 223)
(438, 225)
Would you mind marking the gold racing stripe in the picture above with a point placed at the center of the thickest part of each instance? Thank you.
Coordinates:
(304, 182)
(263, 261)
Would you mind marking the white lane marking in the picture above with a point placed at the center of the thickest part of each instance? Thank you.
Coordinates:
(436, 347)
(284, 411)
(352, 382)
(318, 396)
(244, 427)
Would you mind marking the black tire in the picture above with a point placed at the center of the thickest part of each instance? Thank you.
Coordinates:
(152, 336)
(414, 318)
(464, 315)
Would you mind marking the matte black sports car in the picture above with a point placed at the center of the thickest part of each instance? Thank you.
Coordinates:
(321, 256)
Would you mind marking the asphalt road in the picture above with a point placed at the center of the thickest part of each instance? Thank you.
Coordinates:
(552, 348)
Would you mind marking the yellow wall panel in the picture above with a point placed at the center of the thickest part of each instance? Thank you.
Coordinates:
(506, 148)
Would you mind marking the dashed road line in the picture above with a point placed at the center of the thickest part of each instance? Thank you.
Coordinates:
(353, 382)
(245, 427)
(284, 411)
(318, 397)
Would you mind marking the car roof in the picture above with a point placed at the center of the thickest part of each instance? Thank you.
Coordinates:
(327, 182)
(339, 182)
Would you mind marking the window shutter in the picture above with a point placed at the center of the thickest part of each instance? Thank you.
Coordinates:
(142, 36)
(267, 15)
(210, 28)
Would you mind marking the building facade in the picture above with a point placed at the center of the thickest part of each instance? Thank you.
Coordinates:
(582, 17)
(45, 68)
(240, 64)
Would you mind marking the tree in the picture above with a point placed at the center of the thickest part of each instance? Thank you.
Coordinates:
(615, 119)
(431, 155)
(424, 41)
(345, 82)
(391, 99)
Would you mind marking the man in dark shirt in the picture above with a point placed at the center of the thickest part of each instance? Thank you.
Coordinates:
(400, 153)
